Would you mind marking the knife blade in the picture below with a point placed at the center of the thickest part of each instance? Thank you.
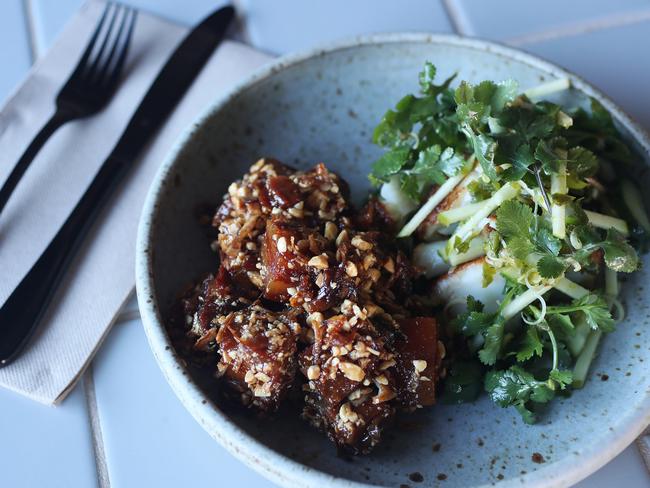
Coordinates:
(23, 310)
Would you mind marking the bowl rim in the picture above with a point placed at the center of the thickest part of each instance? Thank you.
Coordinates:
(268, 462)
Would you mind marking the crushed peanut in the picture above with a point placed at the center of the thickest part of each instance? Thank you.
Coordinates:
(420, 365)
(282, 244)
(313, 372)
(359, 243)
(351, 371)
(351, 269)
(319, 262)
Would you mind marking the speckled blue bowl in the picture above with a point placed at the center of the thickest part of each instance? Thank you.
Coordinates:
(322, 106)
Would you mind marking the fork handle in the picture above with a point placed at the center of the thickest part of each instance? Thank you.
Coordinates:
(57, 120)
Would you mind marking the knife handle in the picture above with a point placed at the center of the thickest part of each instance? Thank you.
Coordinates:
(23, 310)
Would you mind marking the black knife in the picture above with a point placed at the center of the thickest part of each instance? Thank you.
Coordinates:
(21, 313)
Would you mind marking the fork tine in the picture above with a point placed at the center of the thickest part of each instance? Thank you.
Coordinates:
(121, 58)
(108, 34)
(122, 41)
(91, 44)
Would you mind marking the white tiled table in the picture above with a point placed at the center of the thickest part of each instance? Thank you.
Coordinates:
(122, 426)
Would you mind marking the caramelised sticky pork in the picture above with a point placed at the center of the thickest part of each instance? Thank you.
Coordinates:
(311, 293)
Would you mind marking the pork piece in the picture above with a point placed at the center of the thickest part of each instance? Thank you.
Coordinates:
(215, 296)
(289, 248)
(418, 357)
(241, 219)
(376, 215)
(320, 267)
(350, 382)
(271, 189)
(258, 355)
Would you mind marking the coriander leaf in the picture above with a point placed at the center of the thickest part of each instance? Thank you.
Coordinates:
(520, 247)
(561, 324)
(474, 321)
(596, 312)
(426, 77)
(515, 387)
(426, 166)
(593, 307)
(463, 382)
(464, 94)
(581, 162)
(562, 378)
(450, 163)
(550, 267)
(562, 198)
(546, 242)
(527, 122)
(390, 163)
(493, 341)
(483, 147)
(595, 130)
(410, 184)
(488, 274)
(550, 153)
(496, 95)
(462, 246)
(619, 255)
(396, 125)
(526, 415)
(521, 159)
(481, 190)
(530, 345)
(514, 219)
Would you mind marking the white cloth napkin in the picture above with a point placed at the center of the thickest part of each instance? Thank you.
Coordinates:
(102, 276)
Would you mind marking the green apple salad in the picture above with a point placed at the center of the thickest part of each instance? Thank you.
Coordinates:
(522, 215)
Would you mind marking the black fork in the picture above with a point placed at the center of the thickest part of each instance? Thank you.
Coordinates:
(90, 86)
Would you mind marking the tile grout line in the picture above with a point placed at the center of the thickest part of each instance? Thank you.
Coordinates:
(31, 29)
(580, 28)
(459, 21)
(103, 480)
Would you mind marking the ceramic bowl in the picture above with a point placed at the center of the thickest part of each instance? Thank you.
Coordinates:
(322, 106)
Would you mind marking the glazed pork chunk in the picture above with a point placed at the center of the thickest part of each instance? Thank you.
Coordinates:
(310, 293)
(350, 382)
(258, 355)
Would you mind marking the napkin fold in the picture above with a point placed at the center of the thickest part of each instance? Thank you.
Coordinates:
(101, 277)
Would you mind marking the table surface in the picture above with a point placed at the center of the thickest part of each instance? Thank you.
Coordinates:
(122, 425)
